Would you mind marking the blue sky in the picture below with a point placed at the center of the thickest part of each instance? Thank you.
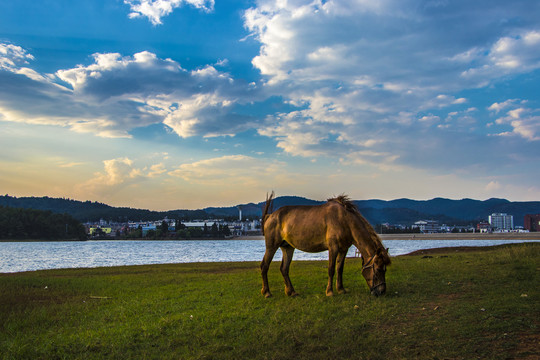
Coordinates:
(184, 104)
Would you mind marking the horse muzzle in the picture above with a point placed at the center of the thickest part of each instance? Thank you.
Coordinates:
(378, 289)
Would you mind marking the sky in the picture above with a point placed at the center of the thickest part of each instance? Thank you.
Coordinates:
(184, 104)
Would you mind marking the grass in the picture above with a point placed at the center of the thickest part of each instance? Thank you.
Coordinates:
(467, 305)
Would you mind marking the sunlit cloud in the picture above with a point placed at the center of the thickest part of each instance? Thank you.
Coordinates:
(230, 170)
(116, 94)
(119, 174)
(154, 10)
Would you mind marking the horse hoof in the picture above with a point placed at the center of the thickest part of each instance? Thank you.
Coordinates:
(293, 294)
(329, 293)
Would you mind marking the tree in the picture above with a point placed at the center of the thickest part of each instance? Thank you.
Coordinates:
(225, 230)
(164, 228)
(215, 230)
(183, 234)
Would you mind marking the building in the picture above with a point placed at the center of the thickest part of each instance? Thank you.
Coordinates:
(103, 230)
(427, 226)
(532, 222)
(501, 221)
(483, 227)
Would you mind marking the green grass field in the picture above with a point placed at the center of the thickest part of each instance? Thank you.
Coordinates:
(454, 305)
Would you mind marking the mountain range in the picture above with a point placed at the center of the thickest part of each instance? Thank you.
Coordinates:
(400, 211)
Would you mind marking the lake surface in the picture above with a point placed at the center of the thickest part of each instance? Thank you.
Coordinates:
(29, 256)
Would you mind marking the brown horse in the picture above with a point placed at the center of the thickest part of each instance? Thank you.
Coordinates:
(333, 226)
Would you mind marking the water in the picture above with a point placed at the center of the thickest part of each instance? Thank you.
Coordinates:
(29, 256)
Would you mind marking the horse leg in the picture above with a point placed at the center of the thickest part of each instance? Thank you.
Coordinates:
(265, 265)
(340, 265)
(285, 264)
(331, 270)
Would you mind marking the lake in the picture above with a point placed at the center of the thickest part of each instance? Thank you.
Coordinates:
(30, 256)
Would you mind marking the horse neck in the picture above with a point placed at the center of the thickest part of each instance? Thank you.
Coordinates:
(366, 239)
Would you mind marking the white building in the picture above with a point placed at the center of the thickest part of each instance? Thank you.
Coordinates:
(427, 226)
(501, 221)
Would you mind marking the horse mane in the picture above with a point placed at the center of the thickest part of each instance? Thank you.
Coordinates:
(346, 202)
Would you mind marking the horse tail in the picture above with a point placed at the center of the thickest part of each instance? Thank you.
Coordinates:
(267, 209)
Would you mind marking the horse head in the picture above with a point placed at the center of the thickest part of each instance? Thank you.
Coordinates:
(374, 270)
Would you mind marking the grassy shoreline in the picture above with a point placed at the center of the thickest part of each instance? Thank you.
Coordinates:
(469, 305)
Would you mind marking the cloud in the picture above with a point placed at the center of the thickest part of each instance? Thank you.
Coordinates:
(525, 123)
(384, 72)
(493, 186)
(117, 175)
(394, 42)
(116, 94)
(229, 169)
(508, 55)
(11, 56)
(117, 171)
(154, 10)
(497, 107)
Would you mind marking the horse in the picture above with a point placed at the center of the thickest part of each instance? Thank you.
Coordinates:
(333, 226)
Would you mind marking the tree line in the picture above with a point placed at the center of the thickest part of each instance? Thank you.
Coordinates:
(24, 224)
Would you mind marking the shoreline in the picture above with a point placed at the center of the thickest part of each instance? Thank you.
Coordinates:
(437, 236)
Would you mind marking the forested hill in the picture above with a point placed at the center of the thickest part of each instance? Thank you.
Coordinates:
(94, 211)
(400, 211)
(19, 223)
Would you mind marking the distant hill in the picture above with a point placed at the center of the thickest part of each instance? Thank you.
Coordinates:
(400, 211)
(406, 211)
(94, 211)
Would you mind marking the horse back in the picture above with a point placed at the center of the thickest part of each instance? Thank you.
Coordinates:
(310, 228)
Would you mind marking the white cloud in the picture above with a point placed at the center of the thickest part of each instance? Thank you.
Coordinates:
(524, 124)
(429, 119)
(116, 94)
(497, 107)
(508, 55)
(154, 10)
(365, 71)
(523, 121)
(11, 56)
